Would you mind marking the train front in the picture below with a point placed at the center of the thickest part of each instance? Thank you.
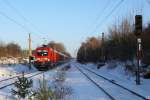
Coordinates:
(42, 58)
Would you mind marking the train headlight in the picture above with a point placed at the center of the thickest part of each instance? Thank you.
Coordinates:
(38, 59)
(47, 59)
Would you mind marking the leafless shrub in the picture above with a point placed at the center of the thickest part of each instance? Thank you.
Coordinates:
(65, 68)
(60, 76)
(44, 92)
(130, 68)
(60, 91)
(111, 65)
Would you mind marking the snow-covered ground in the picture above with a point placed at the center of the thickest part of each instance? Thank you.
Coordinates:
(120, 76)
(8, 60)
(9, 70)
(82, 88)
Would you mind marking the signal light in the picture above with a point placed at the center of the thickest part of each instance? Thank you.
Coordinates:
(138, 25)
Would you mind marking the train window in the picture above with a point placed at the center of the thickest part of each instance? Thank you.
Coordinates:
(45, 53)
(42, 53)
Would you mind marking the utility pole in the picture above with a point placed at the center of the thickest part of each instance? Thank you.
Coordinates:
(138, 31)
(102, 46)
(102, 55)
(85, 53)
(30, 51)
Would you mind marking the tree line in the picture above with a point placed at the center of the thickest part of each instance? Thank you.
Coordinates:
(119, 44)
(10, 50)
(14, 50)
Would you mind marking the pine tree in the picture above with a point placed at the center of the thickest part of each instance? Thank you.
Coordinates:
(23, 86)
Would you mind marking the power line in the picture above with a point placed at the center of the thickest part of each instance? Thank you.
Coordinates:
(109, 14)
(17, 23)
(21, 15)
(14, 21)
(8, 4)
(100, 13)
(24, 18)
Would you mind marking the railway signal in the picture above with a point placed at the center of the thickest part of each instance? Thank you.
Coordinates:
(85, 53)
(138, 25)
(138, 31)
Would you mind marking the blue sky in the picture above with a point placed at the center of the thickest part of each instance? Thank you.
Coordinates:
(67, 21)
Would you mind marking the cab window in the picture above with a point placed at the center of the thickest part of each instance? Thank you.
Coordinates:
(42, 53)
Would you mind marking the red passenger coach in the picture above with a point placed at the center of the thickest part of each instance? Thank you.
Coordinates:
(46, 57)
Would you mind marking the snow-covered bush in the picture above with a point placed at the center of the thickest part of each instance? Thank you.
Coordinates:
(44, 92)
(60, 91)
(65, 68)
(130, 67)
(111, 65)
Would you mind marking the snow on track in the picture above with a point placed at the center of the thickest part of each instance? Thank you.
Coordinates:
(119, 76)
(7, 71)
(48, 75)
(83, 89)
(117, 92)
(4, 84)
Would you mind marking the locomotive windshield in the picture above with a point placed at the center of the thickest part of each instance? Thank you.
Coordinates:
(42, 53)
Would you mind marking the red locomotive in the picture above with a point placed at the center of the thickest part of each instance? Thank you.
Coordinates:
(46, 57)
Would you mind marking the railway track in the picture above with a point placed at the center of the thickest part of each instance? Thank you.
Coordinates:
(13, 77)
(10, 81)
(110, 96)
(84, 71)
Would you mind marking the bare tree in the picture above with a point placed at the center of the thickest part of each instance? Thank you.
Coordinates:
(58, 46)
(10, 49)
